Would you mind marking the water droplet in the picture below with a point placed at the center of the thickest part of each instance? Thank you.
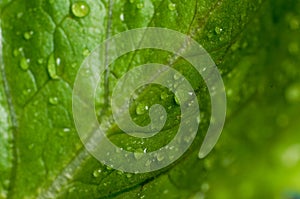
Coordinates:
(68, 175)
(141, 109)
(218, 30)
(160, 157)
(18, 51)
(148, 163)
(86, 52)
(97, 173)
(122, 16)
(198, 119)
(229, 92)
(140, 5)
(205, 187)
(138, 155)
(176, 76)
(80, 9)
(24, 63)
(172, 6)
(53, 100)
(58, 61)
(19, 15)
(128, 175)
(164, 95)
(52, 67)
(120, 172)
(40, 61)
(221, 38)
(30, 146)
(66, 130)
(28, 35)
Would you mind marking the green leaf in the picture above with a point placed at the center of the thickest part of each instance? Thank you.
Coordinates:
(255, 45)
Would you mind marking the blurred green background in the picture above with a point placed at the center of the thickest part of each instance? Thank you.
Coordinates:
(256, 46)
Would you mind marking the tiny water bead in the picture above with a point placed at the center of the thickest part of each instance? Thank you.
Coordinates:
(30, 146)
(172, 6)
(138, 154)
(97, 173)
(52, 67)
(28, 35)
(128, 175)
(19, 15)
(53, 100)
(160, 157)
(86, 52)
(24, 63)
(40, 61)
(176, 76)
(164, 95)
(122, 16)
(218, 30)
(80, 9)
(18, 51)
(140, 5)
(141, 109)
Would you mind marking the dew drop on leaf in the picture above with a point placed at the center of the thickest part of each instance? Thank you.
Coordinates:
(148, 163)
(141, 109)
(96, 173)
(218, 30)
(66, 130)
(176, 76)
(52, 67)
(24, 63)
(164, 95)
(205, 187)
(138, 155)
(30, 146)
(160, 157)
(128, 175)
(80, 9)
(86, 52)
(19, 15)
(40, 61)
(120, 172)
(122, 16)
(53, 100)
(172, 6)
(140, 5)
(28, 35)
(17, 51)
(58, 61)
